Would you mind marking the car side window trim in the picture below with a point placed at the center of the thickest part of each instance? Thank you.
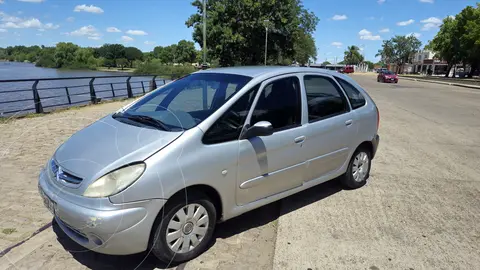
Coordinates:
(338, 88)
(265, 83)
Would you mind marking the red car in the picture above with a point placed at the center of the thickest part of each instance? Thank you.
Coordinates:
(347, 69)
(387, 76)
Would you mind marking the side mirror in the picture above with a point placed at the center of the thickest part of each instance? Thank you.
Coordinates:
(262, 128)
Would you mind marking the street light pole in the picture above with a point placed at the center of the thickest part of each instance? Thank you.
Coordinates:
(204, 32)
(266, 40)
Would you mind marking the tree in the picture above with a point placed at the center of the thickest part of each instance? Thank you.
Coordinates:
(304, 48)
(64, 53)
(387, 52)
(132, 54)
(3, 53)
(122, 62)
(352, 55)
(326, 63)
(370, 64)
(112, 52)
(468, 32)
(446, 43)
(185, 52)
(405, 48)
(236, 29)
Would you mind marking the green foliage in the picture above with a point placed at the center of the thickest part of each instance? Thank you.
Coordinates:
(3, 53)
(370, 64)
(185, 52)
(326, 63)
(352, 55)
(111, 52)
(236, 30)
(122, 62)
(304, 48)
(132, 54)
(459, 39)
(399, 49)
(166, 71)
(64, 54)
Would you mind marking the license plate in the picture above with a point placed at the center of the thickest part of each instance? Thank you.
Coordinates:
(49, 203)
(392, 79)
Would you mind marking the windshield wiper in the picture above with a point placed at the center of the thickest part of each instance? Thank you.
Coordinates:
(144, 119)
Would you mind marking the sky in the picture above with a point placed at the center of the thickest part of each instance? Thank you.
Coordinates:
(149, 23)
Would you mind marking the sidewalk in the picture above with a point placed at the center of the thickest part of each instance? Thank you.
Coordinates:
(410, 78)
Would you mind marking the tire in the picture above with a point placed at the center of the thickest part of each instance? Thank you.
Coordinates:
(163, 249)
(348, 179)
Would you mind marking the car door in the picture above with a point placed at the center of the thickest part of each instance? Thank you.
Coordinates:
(272, 164)
(330, 128)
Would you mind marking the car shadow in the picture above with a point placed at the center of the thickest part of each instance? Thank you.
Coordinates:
(232, 227)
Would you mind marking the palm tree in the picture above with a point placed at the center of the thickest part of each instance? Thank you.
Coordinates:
(352, 55)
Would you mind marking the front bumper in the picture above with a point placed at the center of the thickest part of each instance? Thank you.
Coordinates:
(375, 142)
(116, 229)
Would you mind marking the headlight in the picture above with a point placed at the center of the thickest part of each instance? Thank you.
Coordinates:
(114, 182)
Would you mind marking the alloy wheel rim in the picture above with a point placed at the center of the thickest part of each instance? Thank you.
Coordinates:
(360, 167)
(187, 228)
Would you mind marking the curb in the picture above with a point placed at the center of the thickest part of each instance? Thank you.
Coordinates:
(444, 83)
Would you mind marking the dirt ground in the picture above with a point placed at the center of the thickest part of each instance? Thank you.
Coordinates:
(420, 209)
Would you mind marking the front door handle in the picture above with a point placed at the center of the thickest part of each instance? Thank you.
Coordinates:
(349, 122)
(300, 139)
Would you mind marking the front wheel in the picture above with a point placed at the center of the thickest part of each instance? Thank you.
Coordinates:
(185, 229)
(358, 169)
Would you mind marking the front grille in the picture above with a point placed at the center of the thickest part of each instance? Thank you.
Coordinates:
(61, 175)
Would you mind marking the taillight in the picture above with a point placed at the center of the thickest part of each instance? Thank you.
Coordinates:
(378, 118)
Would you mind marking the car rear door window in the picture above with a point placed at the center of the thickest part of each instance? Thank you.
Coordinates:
(280, 104)
(325, 99)
(356, 98)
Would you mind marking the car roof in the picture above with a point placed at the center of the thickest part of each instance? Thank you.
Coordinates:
(258, 71)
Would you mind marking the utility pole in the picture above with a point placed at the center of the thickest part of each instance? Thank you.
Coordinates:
(266, 40)
(204, 32)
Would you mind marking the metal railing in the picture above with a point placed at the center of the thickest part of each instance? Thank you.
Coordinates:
(40, 95)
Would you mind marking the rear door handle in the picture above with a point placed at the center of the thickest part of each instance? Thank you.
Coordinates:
(349, 122)
(300, 139)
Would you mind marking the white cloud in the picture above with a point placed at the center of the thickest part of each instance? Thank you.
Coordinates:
(427, 1)
(91, 9)
(113, 30)
(31, 1)
(381, 1)
(149, 42)
(38, 34)
(384, 30)
(431, 23)
(70, 19)
(137, 32)
(337, 44)
(367, 35)
(126, 39)
(51, 26)
(94, 38)
(16, 22)
(417, 35)
(339, 17)
(1, 2)
(3, 30)
(86, 31)
(41, 30)
(405, 23)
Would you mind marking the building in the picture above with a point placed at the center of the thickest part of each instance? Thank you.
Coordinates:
(424, 62)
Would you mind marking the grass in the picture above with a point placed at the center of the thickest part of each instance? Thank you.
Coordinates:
(8, 231)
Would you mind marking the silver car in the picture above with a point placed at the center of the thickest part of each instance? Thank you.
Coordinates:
(162, 171)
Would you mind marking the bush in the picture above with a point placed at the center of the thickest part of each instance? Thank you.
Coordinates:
(167, 71)
(46, 61)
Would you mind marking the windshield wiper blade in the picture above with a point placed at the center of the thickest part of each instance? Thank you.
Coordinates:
(144, 119)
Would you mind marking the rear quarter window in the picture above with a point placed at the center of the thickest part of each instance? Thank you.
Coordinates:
(356, 98)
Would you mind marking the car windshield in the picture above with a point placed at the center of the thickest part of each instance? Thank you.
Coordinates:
(388, 73)
(186, 102)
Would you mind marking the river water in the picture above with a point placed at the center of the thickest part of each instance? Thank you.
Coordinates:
(52, 98)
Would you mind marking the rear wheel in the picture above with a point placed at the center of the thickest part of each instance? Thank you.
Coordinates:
(184, 229)
(358, 169)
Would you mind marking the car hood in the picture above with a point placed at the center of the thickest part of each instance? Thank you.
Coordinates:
(107, 145)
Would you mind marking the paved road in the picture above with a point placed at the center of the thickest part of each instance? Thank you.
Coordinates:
(420, 209)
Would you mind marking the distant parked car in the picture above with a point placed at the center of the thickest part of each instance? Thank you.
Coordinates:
(159, 173)
(387, 77)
